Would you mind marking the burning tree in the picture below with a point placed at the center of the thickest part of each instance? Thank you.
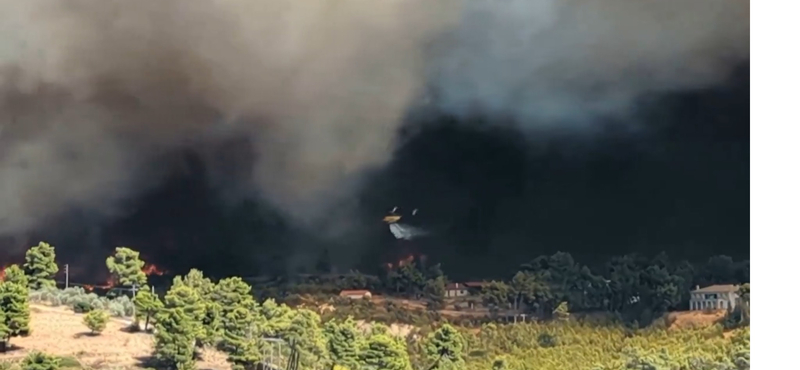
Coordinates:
(40, 266)
(126, 267)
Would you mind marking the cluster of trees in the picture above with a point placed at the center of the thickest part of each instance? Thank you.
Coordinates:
(37, 272)
(637, 287)
(197, 312)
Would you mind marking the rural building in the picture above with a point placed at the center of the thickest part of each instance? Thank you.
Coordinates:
(356, 294)
(455, 290)
(714, 297)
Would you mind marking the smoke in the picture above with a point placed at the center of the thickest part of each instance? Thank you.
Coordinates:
(557, 61)
(93, 93)
(96, 96)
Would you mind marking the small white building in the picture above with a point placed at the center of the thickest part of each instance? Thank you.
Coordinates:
(455, 290)
(714, 297)
(356, 294)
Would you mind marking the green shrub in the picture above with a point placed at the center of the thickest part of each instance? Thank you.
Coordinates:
(547, 340)
(81, 307)
(96, 321)
(40, 361)
(116, 309)
(69, 362)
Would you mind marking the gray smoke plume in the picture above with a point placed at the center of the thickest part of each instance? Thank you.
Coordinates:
(94, 94)
(551, 61)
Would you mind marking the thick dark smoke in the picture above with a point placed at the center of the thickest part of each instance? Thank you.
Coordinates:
(94, 92)
(293, 101)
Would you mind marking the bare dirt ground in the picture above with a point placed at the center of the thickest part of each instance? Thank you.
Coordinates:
(694, 319)
(59, 331)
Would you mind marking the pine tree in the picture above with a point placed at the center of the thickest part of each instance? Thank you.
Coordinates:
(435, 290)
(14, 304)
(126, 267)
(14, 274)
(4, 330)
(147, 305)
(241, 338)
(344, 340)
(231, 293)
(96, 320)
(40, 361)
(277, 318)
(444, 347)
(383, 352)
(186, 299)
(175, 339)
(211, 321)
(40, 266)
(305, 332)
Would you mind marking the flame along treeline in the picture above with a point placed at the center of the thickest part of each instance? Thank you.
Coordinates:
(406, 261)
(148, 269)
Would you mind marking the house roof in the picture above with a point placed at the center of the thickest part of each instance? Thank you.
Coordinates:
(718, 288)
(469, 284)
(476, 284)
(354, 292)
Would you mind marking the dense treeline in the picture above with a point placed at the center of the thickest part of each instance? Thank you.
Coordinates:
(197, 312)
(635, 287)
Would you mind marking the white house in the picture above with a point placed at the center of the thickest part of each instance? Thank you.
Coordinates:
(356, 294)
(714, 297)
(454, 290)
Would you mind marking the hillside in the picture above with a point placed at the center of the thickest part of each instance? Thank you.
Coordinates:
(59, 331)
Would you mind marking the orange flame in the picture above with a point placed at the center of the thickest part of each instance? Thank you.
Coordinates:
(150, 269)
(3, 272)
(405, 261)
(402, 262)
(110, 282)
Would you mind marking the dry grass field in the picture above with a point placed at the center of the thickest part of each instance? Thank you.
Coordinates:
(695, 319)
(59, 331)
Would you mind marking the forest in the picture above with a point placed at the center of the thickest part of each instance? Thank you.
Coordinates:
(634, 287)
(197, 312)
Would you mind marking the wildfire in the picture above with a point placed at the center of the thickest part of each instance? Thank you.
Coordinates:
(3, 273)
(407, 260)
(150, 269)
(110, 282)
